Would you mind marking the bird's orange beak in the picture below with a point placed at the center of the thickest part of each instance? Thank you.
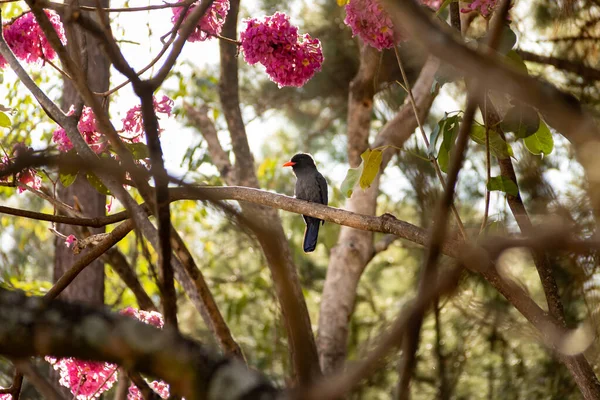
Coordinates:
(289, 164)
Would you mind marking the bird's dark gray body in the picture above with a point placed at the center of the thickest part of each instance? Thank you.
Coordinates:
(310, 186)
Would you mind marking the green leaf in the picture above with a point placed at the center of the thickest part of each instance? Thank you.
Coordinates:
(449, 132)
(5, 120)
(435, 134)
(442, 7)
(540, 142)
(503, 184)
(521, 119)
(67, 174)
(372, 161)
(97, 184)
(351, 179)
(513, 58)
(498, 146)
(138, 150)
(443, 158)
(67, 178)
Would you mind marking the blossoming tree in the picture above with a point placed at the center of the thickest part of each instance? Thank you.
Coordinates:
(144, 350)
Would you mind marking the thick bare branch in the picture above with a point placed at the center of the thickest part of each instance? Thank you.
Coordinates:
(72, 330)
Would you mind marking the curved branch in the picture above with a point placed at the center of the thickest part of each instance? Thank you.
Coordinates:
(97, 222)
(386, 223)
(582, 70)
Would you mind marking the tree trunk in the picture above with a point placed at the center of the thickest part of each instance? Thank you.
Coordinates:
(355, 248)
(89, 285)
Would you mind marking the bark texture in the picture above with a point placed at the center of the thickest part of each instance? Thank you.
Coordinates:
(274, 243)
(355, 248)
(89, 284)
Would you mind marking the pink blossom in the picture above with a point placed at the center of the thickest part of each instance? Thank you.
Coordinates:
(133, 122)
(433, 4)
(289, 59)
(5, 396)
(371, 23)
(29, 178)
(26, 39)
(483, 7)
(88, 128)
(70, 240)
(59, 136)
(109, 204)
(149, 317)
(85, 379)
(210, 24)
(160, 387)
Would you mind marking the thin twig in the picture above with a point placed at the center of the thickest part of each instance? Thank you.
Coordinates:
(436, 166)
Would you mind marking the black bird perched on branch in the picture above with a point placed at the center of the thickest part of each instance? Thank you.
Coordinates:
(310, 186)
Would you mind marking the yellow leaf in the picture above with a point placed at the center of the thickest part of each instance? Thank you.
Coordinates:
(372, 160)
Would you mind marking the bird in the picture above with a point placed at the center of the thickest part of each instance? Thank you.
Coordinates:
(310, 186)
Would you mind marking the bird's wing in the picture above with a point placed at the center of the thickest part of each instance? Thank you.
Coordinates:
(322, 188)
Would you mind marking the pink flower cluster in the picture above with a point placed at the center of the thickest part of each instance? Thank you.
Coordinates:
(85, 379)
(155, 319)
(88, 128)
(483, 7)
(133, 127)
(26, 177)
(149, 317)
(89, 379)
(5, 396)
(26, 39)
(160, 387)
(289, 59)
(133, 123)
(210, 24)
(371, 23)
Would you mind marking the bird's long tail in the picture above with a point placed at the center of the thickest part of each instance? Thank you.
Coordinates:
(311, 234)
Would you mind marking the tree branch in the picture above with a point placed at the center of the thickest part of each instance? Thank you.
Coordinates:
(74, 330)
(119, 264)
(578, 68)
(110, 240)
(386, 223)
